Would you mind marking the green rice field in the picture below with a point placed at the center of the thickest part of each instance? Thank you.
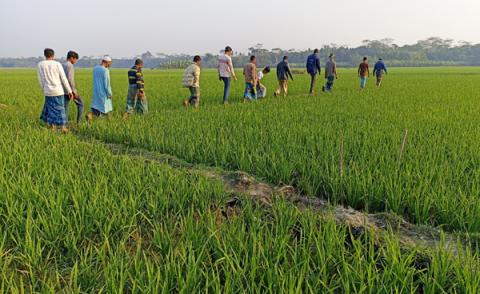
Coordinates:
(76, 217)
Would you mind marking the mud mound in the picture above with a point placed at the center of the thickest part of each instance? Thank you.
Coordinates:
(241, 183)
(381, 223)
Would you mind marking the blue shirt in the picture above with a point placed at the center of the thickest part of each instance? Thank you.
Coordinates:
(283, 71)
(313, 64)
(101, 90)
(379, 68)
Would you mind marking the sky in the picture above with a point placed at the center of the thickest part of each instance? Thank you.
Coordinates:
(127, 28)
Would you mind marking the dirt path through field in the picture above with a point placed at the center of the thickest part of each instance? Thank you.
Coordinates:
(241, 183)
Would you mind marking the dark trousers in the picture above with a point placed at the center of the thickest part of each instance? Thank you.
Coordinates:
(313, 81)
(78, 101)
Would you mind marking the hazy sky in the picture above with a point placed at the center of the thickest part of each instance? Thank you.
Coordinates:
(125, 28)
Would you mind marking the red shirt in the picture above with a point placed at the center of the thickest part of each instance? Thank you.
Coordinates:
(363, 69)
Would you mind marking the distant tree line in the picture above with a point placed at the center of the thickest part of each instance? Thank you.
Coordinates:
(429, 52)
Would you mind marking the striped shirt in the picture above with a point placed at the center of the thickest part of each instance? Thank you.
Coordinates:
(135, 77)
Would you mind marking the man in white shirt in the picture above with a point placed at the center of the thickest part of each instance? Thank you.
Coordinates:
(53, 82)
(261, 89)
(226, 72)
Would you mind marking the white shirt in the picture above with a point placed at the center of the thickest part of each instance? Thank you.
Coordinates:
(260, 75)
(52, 78)
(225, 66)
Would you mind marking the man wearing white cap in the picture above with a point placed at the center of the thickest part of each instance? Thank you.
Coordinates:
(102, 91)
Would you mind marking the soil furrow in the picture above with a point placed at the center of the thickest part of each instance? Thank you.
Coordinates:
(241, 183)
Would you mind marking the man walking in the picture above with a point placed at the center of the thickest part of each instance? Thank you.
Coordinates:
(102, 91)
(261, 89)
(69, 68)
(136, 99)
(53, 82)
(191, 80)
(313, 68)
(226, 72)
(379, 70)
(363, 72)
(250, 73)
(330, 73)
(283, 73)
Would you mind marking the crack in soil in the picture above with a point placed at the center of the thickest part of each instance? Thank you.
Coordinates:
(241, 183)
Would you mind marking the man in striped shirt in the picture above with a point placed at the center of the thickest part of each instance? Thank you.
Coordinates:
(136, 100)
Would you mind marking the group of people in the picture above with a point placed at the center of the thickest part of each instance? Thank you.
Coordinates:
(58, 83)
(378, 71)
(254, 89)
(313, 68)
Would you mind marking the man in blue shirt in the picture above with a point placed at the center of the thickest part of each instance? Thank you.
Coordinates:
(379, 70)
(283, 73)
(102, 91)
(313, 68)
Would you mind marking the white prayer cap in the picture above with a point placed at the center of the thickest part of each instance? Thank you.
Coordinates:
(107, 58)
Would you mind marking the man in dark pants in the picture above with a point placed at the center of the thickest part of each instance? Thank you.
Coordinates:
(69, 68)
(313, 68)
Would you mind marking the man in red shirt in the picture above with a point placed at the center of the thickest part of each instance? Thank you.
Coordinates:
(363, 72)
